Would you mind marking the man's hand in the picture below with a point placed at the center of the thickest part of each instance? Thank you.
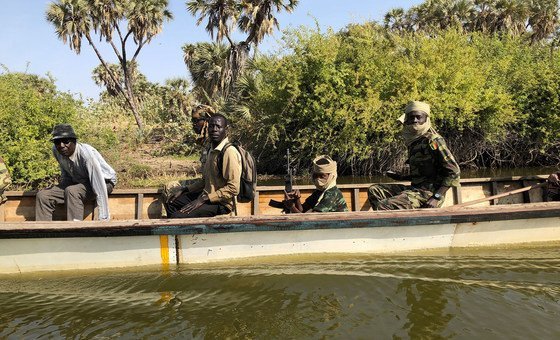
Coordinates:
(553, 179)
(176, 195)
(393, 175)
(292, 195)
(292, 201)
(197, 203)
(431, 203)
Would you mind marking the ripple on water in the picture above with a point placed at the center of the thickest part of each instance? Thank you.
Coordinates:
(504, 293)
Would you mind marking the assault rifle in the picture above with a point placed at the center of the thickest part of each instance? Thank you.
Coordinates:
(288, 183)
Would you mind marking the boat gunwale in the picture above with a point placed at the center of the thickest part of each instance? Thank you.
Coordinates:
(256, 223)
(263, 188)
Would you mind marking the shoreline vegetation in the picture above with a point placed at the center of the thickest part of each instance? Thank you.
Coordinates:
(491, 76)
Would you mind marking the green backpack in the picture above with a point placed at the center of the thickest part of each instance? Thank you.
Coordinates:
(248, 185)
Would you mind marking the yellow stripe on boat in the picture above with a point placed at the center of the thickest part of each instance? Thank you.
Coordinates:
(164, 249)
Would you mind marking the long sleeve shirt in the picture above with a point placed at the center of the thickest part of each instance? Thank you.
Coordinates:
(87, 166)
(431, 164)
(221, 187)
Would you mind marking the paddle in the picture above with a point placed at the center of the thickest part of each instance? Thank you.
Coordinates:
(504, 194)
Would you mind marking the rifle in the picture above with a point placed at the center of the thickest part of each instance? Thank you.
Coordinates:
(288, 183)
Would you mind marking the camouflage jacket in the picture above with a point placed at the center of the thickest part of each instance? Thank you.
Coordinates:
(431, 163)
(5, 179)
(332, 201)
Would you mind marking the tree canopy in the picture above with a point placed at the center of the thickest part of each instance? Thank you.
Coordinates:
(124, 25)
(536, 19)
(29, 108)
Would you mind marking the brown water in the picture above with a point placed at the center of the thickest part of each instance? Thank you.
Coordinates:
(475, 294)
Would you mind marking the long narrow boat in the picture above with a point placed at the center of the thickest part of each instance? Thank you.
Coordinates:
(138, 236)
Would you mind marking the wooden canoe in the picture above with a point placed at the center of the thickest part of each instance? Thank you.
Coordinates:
(141, 238)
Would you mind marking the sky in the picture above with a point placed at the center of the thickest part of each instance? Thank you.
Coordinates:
(29, 44)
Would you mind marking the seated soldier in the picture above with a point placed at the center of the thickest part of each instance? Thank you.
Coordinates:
(172, 190)
(433, 169)
(215, 193)
(553, 187)
(326, 198)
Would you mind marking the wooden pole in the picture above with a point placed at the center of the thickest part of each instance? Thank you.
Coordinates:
(493, 197)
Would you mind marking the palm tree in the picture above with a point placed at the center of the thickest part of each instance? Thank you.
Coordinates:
(71, 21)
(211, 73)
(395, 20)
(177, 97)
(486, 15)
(463, 14)
(253, 17)
(120, 24)
(102, 77)
(257, 17)
(222, 16)
(512, 18)
(543, 19)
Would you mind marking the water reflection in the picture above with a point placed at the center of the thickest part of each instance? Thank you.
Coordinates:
(427, 302)
(461, 295)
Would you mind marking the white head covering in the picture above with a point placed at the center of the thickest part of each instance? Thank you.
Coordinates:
(324, 165)
(412, 132)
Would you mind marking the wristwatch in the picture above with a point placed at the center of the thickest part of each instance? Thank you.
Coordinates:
(204, 197)
(437, 196)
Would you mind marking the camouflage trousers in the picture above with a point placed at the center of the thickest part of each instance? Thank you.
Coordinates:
(397, 197)
(552, 192)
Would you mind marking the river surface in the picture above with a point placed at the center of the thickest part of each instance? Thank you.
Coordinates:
(490, 294)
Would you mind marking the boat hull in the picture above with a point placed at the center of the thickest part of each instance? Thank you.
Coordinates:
(47, 246)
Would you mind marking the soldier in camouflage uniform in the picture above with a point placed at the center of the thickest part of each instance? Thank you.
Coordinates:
(326, 198)
(433, 169)
(5, 180)
(553, 187)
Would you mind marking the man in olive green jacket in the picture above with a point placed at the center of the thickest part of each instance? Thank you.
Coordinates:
(215, 193)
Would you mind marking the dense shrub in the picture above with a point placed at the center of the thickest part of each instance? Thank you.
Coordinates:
(340, 93)
(29, 108)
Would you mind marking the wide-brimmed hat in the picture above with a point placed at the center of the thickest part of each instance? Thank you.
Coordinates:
(61, 131)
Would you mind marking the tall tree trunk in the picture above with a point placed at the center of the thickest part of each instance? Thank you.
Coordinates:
(134, 107)
(131, 98)
(127, 93)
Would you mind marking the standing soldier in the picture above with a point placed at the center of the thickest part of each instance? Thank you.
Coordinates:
(433, 169)
(5, 180)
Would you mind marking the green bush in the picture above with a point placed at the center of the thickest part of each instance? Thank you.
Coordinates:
(29, 108)
(340, 94)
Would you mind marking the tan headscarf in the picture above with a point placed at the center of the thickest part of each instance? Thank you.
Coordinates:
(324, 165)
(413, 132)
